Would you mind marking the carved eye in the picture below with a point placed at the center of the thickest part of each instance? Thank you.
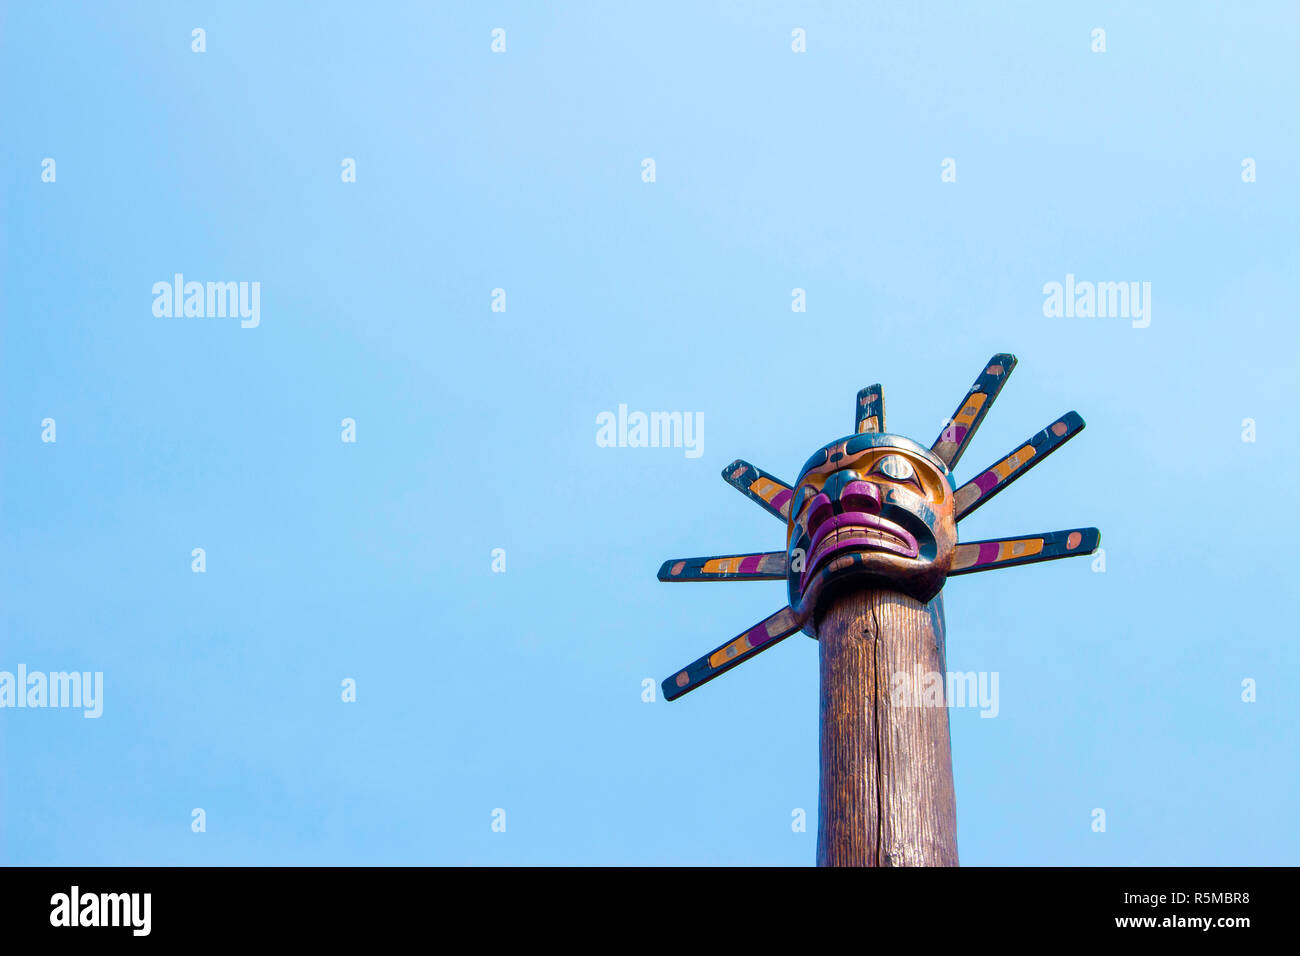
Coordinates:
(897, 468)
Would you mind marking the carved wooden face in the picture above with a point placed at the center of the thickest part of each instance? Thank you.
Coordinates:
(874, 510)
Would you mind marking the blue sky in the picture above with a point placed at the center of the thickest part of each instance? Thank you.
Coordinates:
(475, 429)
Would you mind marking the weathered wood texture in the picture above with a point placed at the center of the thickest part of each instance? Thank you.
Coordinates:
(886, 796)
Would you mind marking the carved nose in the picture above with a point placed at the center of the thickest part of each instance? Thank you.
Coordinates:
(851, 493)
(860, 496)
(843, 493)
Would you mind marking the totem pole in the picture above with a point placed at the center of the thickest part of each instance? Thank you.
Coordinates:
(871, 536)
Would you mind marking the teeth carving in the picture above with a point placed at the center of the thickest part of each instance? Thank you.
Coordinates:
(873, 536)
(878, 538)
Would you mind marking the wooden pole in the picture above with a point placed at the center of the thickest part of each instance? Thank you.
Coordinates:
(886, 796)
(872, 519)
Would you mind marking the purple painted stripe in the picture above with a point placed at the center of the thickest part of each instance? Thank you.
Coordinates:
(758, 635)
(988, 552)
(986, 481)
(751, 563)
(781, 497)
(959, 433)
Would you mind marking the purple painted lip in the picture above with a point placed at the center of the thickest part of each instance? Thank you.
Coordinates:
(885, 536)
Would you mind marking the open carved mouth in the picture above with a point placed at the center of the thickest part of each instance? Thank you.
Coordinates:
(856, 531)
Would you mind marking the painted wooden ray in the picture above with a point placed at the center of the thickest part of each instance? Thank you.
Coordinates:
(767, 566)
(771, 493)
(956, 435)
(871, 411)
(996, 477)
(766, 633)
(971, 556)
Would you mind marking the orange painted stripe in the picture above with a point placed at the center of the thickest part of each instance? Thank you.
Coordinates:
(1013, 461)
(737, 647)
(1020, 548)
(767, 490)
(970, 409)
